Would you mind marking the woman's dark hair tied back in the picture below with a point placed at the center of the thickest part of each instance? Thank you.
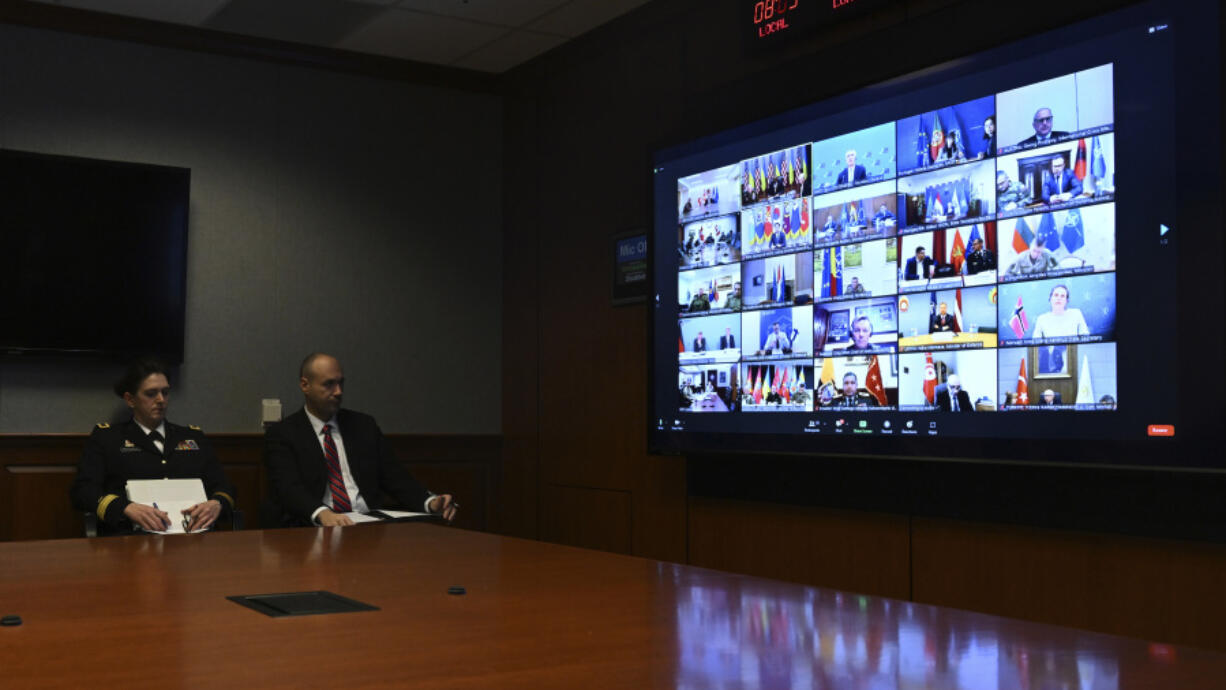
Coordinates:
(138, 371)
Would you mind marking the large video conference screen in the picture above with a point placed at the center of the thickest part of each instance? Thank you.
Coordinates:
(987, 250)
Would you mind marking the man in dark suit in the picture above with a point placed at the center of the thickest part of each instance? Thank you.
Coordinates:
(700, 343)
(953, 398)
(1063, 185)
(727, 340)
(1043, 132)
(323, 461)
(857, 172)
(942, 320)
(918, 267)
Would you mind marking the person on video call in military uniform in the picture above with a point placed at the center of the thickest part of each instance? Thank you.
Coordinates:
(146, 446)
(852, 396)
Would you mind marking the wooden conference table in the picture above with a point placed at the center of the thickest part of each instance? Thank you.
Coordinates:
(152, 611)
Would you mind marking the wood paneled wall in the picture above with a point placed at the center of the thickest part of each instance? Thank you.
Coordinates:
(37, 470)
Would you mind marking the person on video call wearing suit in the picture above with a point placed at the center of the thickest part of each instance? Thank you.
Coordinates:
(941, 321)
(857, 172)
(1063, 185)
(727, 340)
(324, 461)
(1043, 133)
(953, 398)
(700, 343)
(919, 266)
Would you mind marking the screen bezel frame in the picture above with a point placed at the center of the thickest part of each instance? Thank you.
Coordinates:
(1192, 448)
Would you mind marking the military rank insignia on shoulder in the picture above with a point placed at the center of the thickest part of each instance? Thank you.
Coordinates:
(103, 425)
(193, 427)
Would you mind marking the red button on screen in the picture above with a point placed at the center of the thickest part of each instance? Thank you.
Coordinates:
(1161, 429)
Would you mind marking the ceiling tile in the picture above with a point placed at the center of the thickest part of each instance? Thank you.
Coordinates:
(509, 51)
(502, 12)
(579, 16)
(314, 22)
(178, 12)
(416, 36)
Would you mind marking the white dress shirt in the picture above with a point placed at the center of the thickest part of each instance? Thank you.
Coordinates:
(356, 501)
(161, 429)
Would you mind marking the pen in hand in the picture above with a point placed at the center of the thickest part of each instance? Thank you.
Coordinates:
(165, 522)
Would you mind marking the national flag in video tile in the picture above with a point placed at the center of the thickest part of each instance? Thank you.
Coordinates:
(970, 241)
(832, 273)
(958, 327)
(958, 254)
(1098, 162)
(1022, 397)
(759, 227)
(938, 137)
(1074, 234)
(804, 217)
(1047, 231)
(1018, 323)
(827, 372)
(1080, 165)
(796, 226)
(1022, 236)
(1085, 385)
(680, 344)
(780, 282)
(930, 379)
(872, 382)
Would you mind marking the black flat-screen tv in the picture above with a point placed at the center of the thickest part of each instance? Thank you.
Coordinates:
(93, 257)
(1008, 257)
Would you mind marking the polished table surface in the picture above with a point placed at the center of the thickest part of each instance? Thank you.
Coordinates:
(151, 610)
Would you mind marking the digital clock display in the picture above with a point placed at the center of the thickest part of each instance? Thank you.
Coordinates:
(771, 16)
(770, 21)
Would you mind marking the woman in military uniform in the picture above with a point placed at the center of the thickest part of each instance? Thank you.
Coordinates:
(147, 447)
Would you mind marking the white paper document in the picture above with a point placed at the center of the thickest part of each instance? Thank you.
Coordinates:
(171, 496)
(359, 518)
(395, 514)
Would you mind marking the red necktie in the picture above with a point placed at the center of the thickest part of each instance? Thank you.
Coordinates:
(340, 497)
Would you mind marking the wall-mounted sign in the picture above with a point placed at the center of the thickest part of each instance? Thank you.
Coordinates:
(630, 267)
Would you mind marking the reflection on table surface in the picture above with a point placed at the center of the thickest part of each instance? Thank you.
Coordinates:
(105, 612)
(752, 635)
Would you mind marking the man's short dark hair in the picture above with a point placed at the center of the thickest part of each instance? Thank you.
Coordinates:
(308, 361)
(852, 374)
(139, 370)
(918, 250)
